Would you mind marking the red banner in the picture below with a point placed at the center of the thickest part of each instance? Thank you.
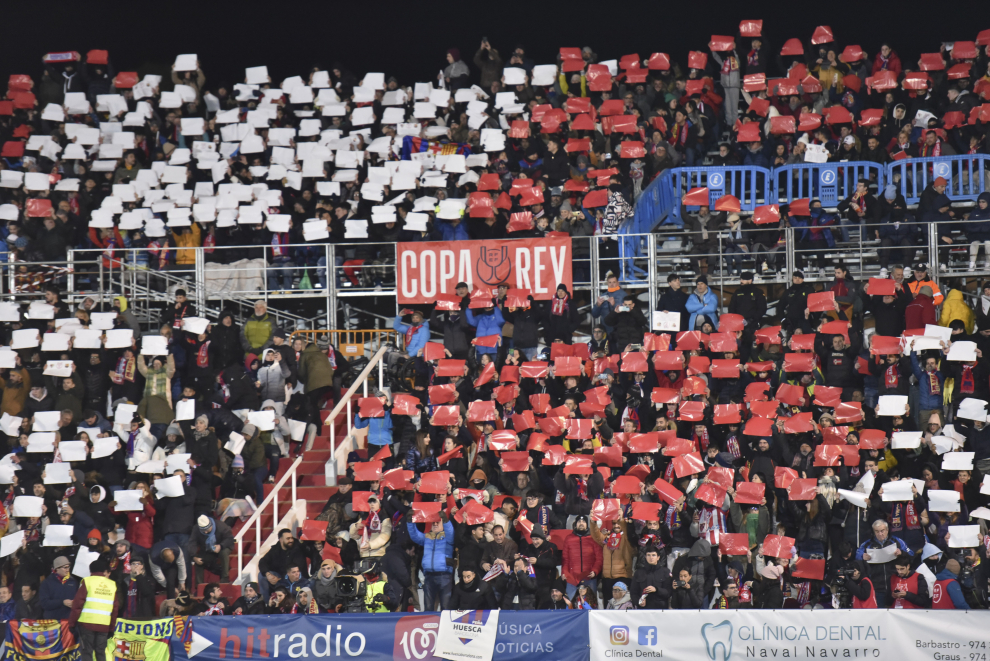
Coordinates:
(425, 270)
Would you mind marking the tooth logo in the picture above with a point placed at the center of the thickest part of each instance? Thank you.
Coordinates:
(716, 635)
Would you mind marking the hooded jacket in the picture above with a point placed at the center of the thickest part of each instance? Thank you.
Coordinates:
(705, 305)
(698, 561)
(257, 333)
(581, 555)
(272, 376)
(225, 342)
(657, 576)
(920, 312)
(954, 307)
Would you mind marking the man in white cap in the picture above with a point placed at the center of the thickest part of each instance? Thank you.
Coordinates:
(210, 546)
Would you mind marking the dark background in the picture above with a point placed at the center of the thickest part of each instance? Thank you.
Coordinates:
(410, 39)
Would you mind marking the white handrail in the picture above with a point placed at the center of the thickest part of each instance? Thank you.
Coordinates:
(255, 520)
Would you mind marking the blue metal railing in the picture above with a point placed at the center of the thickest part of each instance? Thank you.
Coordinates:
(966, 175)
(829, 182)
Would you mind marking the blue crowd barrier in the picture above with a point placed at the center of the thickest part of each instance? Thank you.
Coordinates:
(829, 182)
(966, 176)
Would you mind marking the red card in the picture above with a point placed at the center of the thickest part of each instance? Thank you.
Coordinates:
(797, 424)
(537, 442)
(691, 340)
(721, 476)
(722, 342)
(359, 500)
(598, 395)
(567, 366)
(482, 411)
(577, 464)
(447, 456)
(678, 446)
(314, 531)
(398, 479)
(433, 351)
(383, 454)
(446, 415)
(850, 455)
(434, 482)
(627, 485)
(803, 342)
(826, 455)
(509, 374)
(691, 411)
(803, 489)
(513, 462)
(331, 552)
(756, 391)
(38, 208)
(474, 513)
(835, 435)
(693, 386)
(579, 429)
(442, 394)
(872, 439)
(699, 365)
(368, 471)
(665, 396)
(591, 409)
(829, 396)
(688, 464)
(405, 405)
(783, 477)
(517, 298)
(608, 455)
(725, 368)
(881, 345)
(540, 403)
(451, 367)
(762, 366)
(424, 512)
(556, 455)
(507, 393)
(643, 443)
(504, 440)
(667, 491)
(733, 543)
(490, 341)
(371, 407)
(750, 493)
(554, 426)
(768, 335)
(790, 394)
(836, 328)
(821, 301)
(668, 360)
(444, 302)
(799, 362)
(606, 510)
(765, 409)
(809, 568)
(711, 494)
(645, 511)
(730, 323)
(534, 370)
(727, 414)
(777, 546)
(633, 361)
(849, 412)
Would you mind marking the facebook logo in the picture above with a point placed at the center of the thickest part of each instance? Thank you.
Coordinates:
(648, 636)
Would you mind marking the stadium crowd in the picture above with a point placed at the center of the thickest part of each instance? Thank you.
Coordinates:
(736, 460)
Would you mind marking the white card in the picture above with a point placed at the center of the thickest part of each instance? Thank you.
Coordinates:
(154, 345)
(11, 542)
(86, 338)
(62, 368)
(120, 338)
(906, 440)
(58, 473)
(10, 425)
(8, 359)
(981, 513)
(972, 409)
(297, 429)
(58, 536)
(666, 321)
(963, 537)
(893, 404)
(151, 467)
(962, 351)
(185, 410)
(169, 487)
(185, 62)
(263, 420)
(235, 443)
(899, 490)
(943, 500)
(41, 441)
(958, 461)
(880, 556)
(102, 320)
(177, 462)
(72, 450)
(28, 505)
(46, 420)
(55, 342)
(128, 500)
(854, 497)
(26, 338)
(124, 412)
(104, 447)
(985, 485)
(84, 559)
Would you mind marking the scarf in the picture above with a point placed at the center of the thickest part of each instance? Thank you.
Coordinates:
(177, 322)
(311, 609)
(214, 609)
(933, 383)
(542, 517)
(968, 382)
(582, 488)
(131, 437)
(891, 377)
(753, 58)
(156, 383)
(121, 559)
(904, 516)
(650, 539)
(934, 150)
(32, 533)
(701, 440)
(559, 306)
(374, 523)
(203, 355)
(211, 537)
(411, 333)
(732, 445)
(613, 541)
(279, 240)
(209, 244)
(124, 371)
(729, 65)
(884, 61)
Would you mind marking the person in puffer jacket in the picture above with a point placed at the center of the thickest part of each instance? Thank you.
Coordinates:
(582, 557)
(488, 321)
(978, 230)
(438, 560)
(272, 375)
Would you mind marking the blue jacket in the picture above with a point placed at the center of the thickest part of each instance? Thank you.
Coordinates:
(435, 551)
(955, 591)
(53, 592)
(487, 324)
(927, 401)
(707, 307)
(379, 429)
(420, 338)
(606, 308)
(451, 232)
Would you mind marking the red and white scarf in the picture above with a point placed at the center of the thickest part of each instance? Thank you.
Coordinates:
(933, 383)
(613, 541)
(559, 306)
(203, 355)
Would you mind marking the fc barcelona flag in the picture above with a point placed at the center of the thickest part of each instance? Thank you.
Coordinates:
(40, 640)
(146, 640)
(414, 144)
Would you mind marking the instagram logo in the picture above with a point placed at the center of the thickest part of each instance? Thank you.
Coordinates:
(619, 635)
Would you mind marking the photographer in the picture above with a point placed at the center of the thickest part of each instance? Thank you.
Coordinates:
(849, 582)
(688, 593)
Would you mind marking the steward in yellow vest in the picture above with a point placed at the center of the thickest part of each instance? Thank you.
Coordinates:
(95, 609)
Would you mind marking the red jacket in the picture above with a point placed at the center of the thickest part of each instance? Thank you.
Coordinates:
(919, 312)
(140, 526)
(581, 557)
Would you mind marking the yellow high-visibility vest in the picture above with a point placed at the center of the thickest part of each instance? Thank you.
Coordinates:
(98, 608)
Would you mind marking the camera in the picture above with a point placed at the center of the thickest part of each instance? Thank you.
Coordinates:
(841, 588)
(351, 593)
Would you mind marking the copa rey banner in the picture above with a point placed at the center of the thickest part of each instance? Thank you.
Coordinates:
(424, 270)
(520, 636)
(733, 635)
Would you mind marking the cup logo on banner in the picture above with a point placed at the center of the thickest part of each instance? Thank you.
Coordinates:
(718, 640)
(494, 265)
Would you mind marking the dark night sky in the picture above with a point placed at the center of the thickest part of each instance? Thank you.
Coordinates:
(409, 39)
